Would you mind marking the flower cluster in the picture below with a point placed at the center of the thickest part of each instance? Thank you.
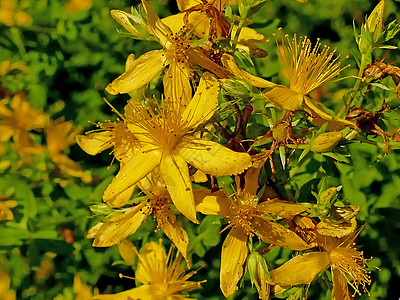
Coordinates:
(166, 145)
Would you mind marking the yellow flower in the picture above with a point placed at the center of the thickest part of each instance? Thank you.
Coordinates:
(19, 118)
(11, 13)
(206, 19)
(59, 136)
(5, 292)
(346, 262)
(168, 144)
(78, 5)
(5, 205)
(177, 52)
(123, 142)
(247, 218)
(307, 69)
(162, 277)
(116, 229)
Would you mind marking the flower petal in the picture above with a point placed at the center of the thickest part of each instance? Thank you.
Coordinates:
(213, 158)
(175, 173)
(281, 208)
(196, 56)
(141, 71)
(177, 88)
(204, 102)
(122, 198)
(144, 161)
(96, 142)
(141, 292)
(229, 62)
(155, 26)
(301, 269)
(284, 98)
(316, 109)
(116, 229)
(276, 234)
(233, 255)
(216, 203)
(178, 236)
(340, 290)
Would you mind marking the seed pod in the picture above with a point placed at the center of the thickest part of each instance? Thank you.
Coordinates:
(325, 142)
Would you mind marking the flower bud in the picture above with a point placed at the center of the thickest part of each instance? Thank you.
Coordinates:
(328, 196)
(258, 272)
(325, 142)
(375, 20)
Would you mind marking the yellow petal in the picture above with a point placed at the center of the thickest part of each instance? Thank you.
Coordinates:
(316, 109)
(276, 234)
(141, 71)
(155, 26)
(128, 251)
(204, 102)
(122, 198)
(216, 203)
(176, 80)
(340, 290)
(178, 236)
(118, 228)
(301, 269)
(196, 56)
(248, 38)
(144, 161)
(229, 62)
(213, 158)
(142, 292)
(233, 255)
(281, 208)
(199, 176)
(175, 173)
(284, 98)
(94, 143)
(151, 264)
(174, 22)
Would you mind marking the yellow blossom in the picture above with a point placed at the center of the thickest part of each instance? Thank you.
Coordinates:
(78, 5)
(346, 262)
(162, 277)
(177, 52)
(307, 69)
(5, 292)
(19, 118)
(247, 218)
(11, 13)
(59, 136)
(124, 144)
(5, 205)
(158, 201)
(168, 144)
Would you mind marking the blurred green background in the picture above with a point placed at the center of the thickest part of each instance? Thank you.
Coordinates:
(66, 52)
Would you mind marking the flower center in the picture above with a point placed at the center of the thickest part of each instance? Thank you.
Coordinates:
(242, 216)
(179, 48)
(351, 263)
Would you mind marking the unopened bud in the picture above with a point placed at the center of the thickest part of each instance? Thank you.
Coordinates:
(325, 142)
(375, 20)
